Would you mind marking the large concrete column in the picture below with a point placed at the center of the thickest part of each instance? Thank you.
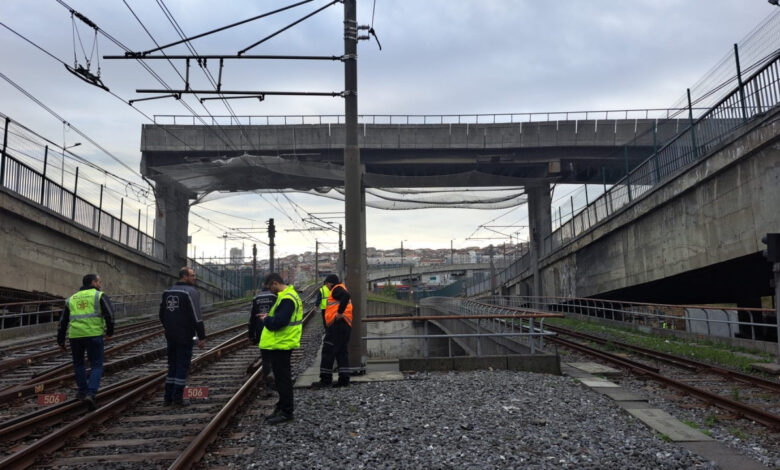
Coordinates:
(540, 226)
(173, 210)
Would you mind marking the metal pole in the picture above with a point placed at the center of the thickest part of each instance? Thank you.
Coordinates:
(655, 153)
(693, 129)
(604, 181)
(271, 236)
(776, 269)
(628, 174)
(316, 260)
(402, 252)
(741, 87)
(341, 254)
(138, 232)
(254, 268)
(43, 177)
(354, 204)
(573, 232)
(2, 156)
(452, 252)
(75, 189)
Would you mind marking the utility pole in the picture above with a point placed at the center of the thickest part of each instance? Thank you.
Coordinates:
(354, 193)
(224, 266)
(316, 260)
(452, 253)
(254, 269)
(340, 258)
(492, 273)
(271, 235)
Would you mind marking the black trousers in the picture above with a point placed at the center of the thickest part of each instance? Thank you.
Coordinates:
(280, 365)
(336, 347)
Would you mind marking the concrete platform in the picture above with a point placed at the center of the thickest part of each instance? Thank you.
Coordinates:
(595, 368)
(596, 382)
(376, 371)
(668, 425)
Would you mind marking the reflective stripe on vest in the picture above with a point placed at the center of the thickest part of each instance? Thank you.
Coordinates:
(288, 337)
(86, 319)
(332, 308)
(324, 293)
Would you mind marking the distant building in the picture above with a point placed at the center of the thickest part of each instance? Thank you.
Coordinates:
(236, 255)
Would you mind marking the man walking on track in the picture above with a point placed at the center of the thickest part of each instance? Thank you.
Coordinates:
(338, 328)
(87, 312)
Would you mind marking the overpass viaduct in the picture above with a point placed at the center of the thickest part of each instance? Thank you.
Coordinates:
(188, 161)
(378, 274)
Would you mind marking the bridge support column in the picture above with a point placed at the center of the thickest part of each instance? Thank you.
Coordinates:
(540, 227)
(173, 210)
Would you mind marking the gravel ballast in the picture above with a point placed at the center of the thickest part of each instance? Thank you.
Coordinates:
(482, 419)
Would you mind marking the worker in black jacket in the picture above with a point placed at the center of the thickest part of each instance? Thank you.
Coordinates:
(261, 305)
(180, 315)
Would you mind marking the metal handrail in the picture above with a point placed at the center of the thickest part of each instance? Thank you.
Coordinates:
(471, 118)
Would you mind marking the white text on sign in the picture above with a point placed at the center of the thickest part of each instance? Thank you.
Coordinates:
(50, 399)
(196, 392)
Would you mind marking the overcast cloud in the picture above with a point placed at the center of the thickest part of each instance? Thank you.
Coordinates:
(438, 57)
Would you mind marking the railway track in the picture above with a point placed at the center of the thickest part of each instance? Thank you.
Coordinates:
(131, 423)
(712, 384)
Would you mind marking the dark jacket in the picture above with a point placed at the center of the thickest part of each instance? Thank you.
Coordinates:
(180, 313)
(262, 303)
(341, 294)
(282, 315)
(105, 308)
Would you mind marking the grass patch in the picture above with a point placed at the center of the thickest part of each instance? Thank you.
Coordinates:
(664, 437)
(701, 350)
(738, 433)
(691, 424)
(711, 421)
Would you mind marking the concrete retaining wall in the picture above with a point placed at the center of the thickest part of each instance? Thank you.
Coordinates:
(544, 363)
(45, 252)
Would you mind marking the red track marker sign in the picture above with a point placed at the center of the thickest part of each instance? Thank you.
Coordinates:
(196, 392)
(50, 399)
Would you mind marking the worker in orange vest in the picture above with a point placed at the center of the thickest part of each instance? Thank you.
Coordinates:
(338, 327)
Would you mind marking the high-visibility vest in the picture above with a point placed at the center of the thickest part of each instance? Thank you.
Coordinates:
(288, 337)
(86, 319)
(324, 293)
(333, 308)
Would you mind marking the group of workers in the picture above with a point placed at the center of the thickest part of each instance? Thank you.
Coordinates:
(275, 325)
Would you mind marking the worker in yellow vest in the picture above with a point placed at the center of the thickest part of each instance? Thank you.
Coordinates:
(322, 299)
(282, 329)
(338, 328)
(87, 313)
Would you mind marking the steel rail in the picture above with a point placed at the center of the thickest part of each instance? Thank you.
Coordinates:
(197, 447)
(53, 441)
(760, 416)
(678, 361)
(29, 388)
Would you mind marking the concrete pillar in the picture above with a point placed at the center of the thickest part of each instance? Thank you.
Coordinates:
(173, 210)
(540, 226)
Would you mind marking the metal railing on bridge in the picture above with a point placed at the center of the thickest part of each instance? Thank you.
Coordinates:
(489, 321)
(38, 188)
(757, 94)
(412, 119)
(726, 322)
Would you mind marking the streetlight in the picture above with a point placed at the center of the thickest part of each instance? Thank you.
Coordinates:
(402, 251)
(62, 170)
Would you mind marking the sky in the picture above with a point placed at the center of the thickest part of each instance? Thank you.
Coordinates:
(437, 57)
